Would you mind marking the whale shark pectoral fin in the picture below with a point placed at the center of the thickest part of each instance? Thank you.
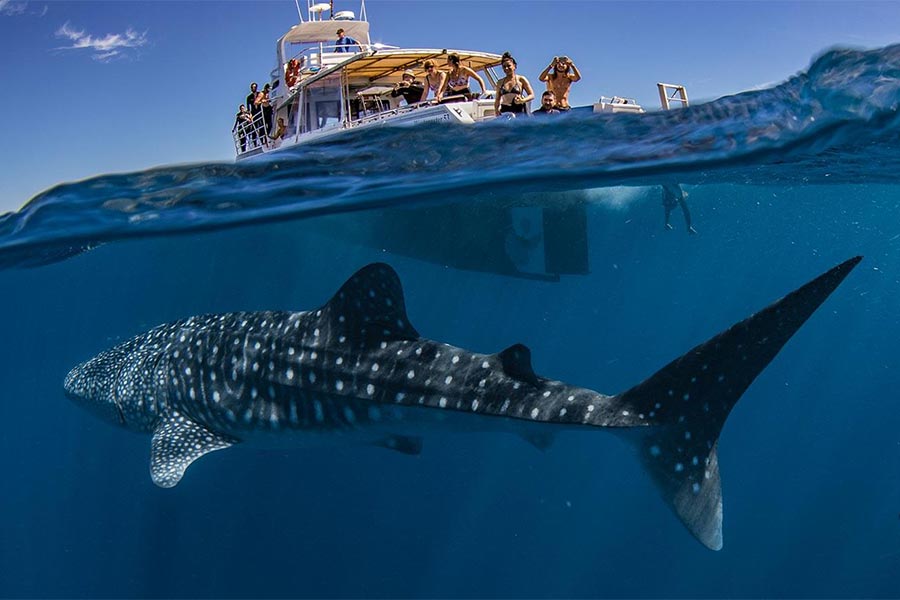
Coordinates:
(516, 361)
(403, 444)
(369, 307)
(177, 442)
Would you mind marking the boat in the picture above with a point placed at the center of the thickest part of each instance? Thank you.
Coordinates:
(320, 88)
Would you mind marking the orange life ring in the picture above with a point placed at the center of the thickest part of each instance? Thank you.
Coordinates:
(292, 73)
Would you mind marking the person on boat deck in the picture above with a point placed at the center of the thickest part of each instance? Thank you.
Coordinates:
(279, 132)
(434, 80)
(251, 99)
(674, 195)
(513, 91)
(559, 76)
(262, 101)
(548, 102)
(254, 110)
(456, 84)
(344, 43)
(242, 122)
(410, 88)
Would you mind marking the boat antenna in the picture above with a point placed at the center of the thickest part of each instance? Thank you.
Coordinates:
(331, 7)
(299, 12)
(362, 11)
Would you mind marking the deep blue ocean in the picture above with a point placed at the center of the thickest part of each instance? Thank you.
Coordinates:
(546, 233)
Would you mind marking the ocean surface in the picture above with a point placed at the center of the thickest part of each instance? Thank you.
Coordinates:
(548, 233)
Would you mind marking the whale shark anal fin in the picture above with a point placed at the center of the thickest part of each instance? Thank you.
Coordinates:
(368, 308)
(177, 442)
(516, 361)
(404, 444)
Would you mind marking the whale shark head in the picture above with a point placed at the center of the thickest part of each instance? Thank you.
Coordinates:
(92, 385)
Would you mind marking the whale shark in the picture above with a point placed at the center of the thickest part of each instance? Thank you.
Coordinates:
(355, 370)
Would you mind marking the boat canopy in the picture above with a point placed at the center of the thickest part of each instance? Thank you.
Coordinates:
(384, 63)
(312, 32)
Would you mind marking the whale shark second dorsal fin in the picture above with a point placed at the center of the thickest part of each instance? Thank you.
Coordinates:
(368, 308)
(516, 361)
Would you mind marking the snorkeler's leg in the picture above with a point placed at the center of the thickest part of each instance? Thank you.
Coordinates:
(687, 216)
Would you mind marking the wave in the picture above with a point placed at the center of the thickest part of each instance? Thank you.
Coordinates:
(835, 123)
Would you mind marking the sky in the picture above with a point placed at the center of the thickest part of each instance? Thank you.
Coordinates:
(101, 87)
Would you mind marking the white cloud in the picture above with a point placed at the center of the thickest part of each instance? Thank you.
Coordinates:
(12, 8)
(106, 48)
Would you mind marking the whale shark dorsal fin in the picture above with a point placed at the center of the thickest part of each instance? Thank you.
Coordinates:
(516, 361)
(369, 307)
(177, 442)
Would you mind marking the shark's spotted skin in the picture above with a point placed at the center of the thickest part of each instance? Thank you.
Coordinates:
(356, 369)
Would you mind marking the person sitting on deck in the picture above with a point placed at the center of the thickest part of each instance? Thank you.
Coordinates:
(513, 91)
(434, 80)
(564, 74)
(279, 132)
(548, 100)
(345, 42)
(456, 84)
(410, 88)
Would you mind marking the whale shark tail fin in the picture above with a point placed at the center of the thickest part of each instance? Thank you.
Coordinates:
(688, 400)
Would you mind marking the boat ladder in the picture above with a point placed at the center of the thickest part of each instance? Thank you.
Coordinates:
(669, 92)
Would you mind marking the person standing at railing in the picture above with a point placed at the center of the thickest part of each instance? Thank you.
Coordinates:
(456, 85)
(265, 107)
(242, 121)
(344, 43)
(434, 80)
(254, 110)
(514, 91)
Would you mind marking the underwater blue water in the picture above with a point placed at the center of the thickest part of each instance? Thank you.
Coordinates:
(783, 184)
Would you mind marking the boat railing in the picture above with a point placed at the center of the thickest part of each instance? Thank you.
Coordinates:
(251, 135)
(315, 58)
(390, 113)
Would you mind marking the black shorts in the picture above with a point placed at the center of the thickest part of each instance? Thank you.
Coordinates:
(512, 108)
(462, 95)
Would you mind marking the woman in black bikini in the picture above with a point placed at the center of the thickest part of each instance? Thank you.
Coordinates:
(513, 91)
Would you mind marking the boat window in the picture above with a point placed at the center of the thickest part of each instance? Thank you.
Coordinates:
(322, 103)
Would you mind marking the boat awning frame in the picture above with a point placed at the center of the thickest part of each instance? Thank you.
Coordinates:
(375, 64)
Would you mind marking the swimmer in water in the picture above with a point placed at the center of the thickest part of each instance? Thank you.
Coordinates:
(674, 196)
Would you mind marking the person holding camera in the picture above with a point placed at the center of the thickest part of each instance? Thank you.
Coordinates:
(409, 87)
(559, 76)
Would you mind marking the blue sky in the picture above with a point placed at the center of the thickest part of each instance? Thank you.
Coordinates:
(100, 87)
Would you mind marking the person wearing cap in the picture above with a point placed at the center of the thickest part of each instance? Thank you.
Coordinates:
(559, 75)
(410, 88)
(345, 42)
